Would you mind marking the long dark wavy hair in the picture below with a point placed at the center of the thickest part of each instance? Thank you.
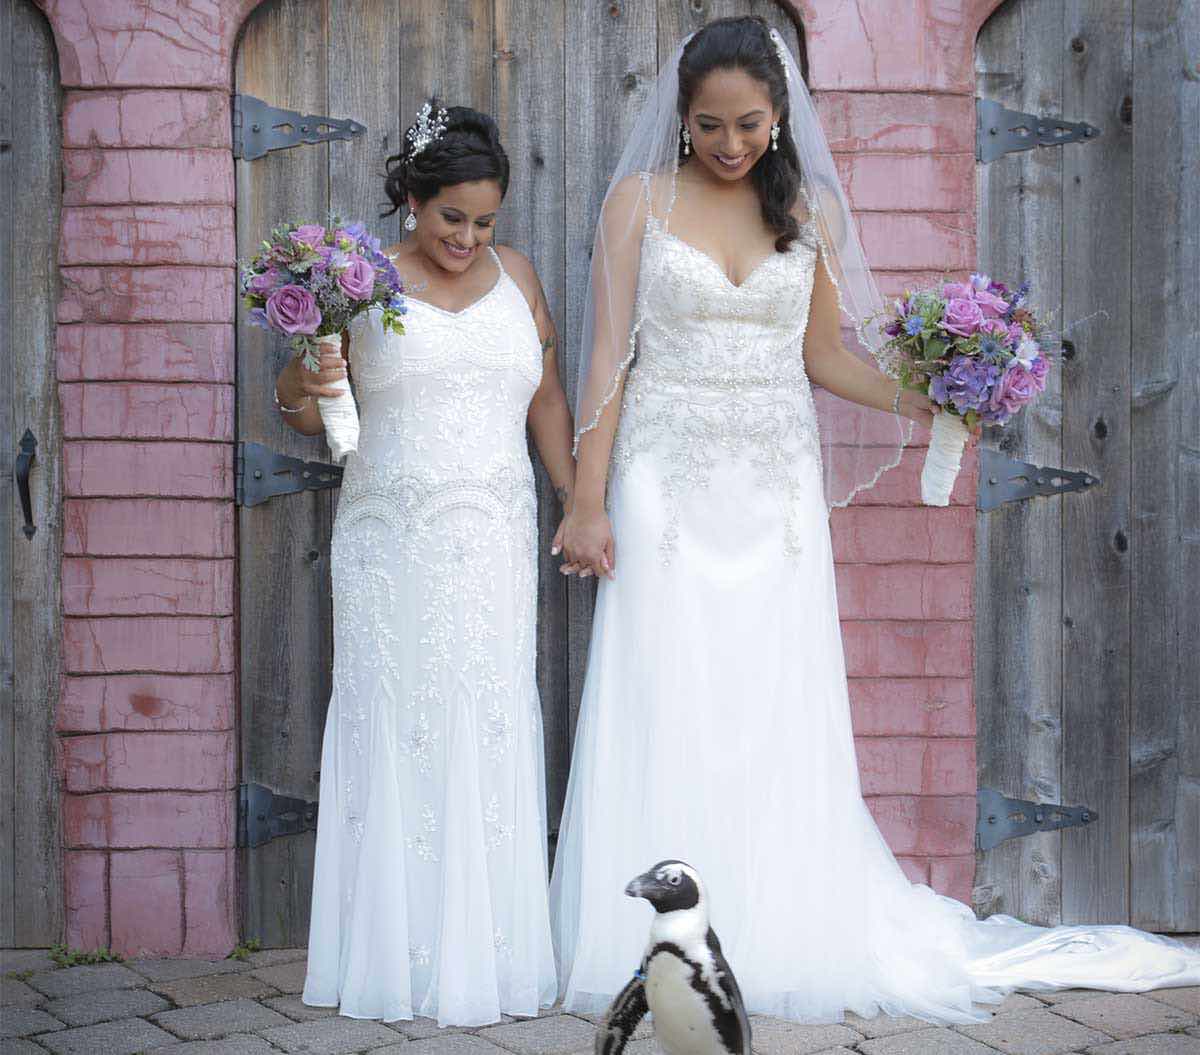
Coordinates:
(745, 44)
(468, 150)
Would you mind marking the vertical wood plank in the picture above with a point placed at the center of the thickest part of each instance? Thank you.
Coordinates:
(1164, 729)
(34, 174)
(445, 51)
(285, 623)
(1018, 585)
(8, 847)
(1097, 216)
(528, 106)
(612, 65)
(364, 83)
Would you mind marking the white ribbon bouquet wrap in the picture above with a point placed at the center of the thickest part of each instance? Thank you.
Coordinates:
(943, 459)
(340, 412)
(307, 282)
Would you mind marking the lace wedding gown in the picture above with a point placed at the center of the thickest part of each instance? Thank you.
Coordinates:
(715, 725)
(429, 895)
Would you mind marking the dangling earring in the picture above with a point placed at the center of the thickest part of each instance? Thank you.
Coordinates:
(775, 136)
(410, 222)
(687, 140)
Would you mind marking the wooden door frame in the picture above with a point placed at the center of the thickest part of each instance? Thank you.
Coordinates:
(31, 870)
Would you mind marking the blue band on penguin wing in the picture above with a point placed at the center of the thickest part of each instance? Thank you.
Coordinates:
(640, 975)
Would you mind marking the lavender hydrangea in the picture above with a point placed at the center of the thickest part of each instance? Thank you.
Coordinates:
(966, 384)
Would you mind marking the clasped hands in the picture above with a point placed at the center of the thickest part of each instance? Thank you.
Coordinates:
(585, 539)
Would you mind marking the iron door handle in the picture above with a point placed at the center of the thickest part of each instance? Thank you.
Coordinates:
(24, 464)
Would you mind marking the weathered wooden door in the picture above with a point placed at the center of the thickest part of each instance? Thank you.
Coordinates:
(1088, 670)
(565, 82)
(31, 910)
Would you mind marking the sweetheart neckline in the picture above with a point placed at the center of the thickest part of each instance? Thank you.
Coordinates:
(761, 265)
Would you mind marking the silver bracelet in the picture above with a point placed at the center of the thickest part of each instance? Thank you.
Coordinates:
(896, 401)
(288, 410)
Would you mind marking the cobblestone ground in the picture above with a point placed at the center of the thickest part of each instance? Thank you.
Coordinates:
(200, 1007)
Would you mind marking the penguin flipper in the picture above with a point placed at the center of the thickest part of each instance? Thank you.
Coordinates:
(728, 985)
(624, 1014)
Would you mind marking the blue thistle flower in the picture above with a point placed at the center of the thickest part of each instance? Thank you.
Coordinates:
(914, 325)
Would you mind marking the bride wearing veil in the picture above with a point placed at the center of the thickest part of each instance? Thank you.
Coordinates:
(715, 724)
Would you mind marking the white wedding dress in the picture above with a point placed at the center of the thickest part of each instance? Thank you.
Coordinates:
(429, 895)
(715, 724)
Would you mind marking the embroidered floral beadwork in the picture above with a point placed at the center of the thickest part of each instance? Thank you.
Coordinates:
(720, 368)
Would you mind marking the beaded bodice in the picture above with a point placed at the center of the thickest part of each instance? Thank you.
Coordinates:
(719, 371)
(443, 408)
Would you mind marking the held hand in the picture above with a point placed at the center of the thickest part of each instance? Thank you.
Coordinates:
(318, 382)
(587, 541)
(921, 409)
(918, 407)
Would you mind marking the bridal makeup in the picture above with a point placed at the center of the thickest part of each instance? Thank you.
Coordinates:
(730, 123)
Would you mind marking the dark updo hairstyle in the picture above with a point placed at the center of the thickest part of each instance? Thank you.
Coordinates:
(745, 44)
(468, 150)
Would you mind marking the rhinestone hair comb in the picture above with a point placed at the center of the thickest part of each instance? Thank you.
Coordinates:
(429, 127)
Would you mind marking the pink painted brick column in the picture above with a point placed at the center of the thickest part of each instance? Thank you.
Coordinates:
(146, 373)
(145, 370)
(894, 85)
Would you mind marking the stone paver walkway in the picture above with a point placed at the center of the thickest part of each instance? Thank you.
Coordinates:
(200, 1007)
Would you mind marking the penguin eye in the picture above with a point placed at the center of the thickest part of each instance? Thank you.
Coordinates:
(674, 879)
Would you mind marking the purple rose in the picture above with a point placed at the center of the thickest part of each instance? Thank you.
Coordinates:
(309, 233)
(358, 280)
(1017, 387)
(962, 317)
(991, 305)
(262, 284)
(293, 310)
(965, 383)
(958, 291)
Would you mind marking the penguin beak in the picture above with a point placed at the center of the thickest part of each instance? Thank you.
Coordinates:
(640, 886)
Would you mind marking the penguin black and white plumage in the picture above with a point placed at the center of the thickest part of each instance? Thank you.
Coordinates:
(684, 980)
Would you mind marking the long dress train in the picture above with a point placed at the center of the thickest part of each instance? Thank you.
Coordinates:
(429, 895)
(715, 725)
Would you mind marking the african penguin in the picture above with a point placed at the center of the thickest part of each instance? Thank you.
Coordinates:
(683, 981)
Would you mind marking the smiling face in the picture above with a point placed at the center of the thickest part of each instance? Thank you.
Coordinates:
(730, 120)
(457, 223)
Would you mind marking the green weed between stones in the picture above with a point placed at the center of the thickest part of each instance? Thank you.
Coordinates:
(244, 949)
(65, 957)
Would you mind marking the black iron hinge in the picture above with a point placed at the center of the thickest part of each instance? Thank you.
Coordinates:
(1004, 479)
(263, 815)
(999, 817)
(261, 473)
(1000, 131)
(259, 128)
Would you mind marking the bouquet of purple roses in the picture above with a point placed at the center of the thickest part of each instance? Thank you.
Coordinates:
(976, 351)
(307, 283)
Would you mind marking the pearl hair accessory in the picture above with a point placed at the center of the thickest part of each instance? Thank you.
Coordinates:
(428, 128)
(780, 50)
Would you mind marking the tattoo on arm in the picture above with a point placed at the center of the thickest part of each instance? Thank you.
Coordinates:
(563, 494)
(549, 343)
